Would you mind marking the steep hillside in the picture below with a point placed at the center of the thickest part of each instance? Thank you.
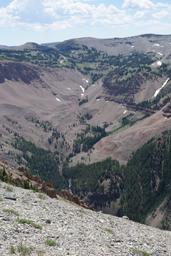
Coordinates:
(64, 105)
(77, 85)
(140, 190)
(148, 182)
(34, 224)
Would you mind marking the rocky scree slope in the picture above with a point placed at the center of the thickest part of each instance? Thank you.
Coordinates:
(34, 224)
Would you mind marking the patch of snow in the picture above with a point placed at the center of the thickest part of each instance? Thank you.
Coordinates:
(58, 99)
(156, 45)
(159, 53)
(132, 46)
(159, 63)
(85, 80)
(158, 90)
(82, 94)
(125, 112)
(69, 88)
(82, 88)
(97, 99)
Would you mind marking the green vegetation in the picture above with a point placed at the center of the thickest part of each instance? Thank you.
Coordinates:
(85, 177)
(138, 252)
(83, 101)
(160, 100)
(42, 57)
(118, 129)
(12, 249)
(88, 138)
(126, 122)
(29, 222)
(89, 61)
(9, 189)
(41, 162)
(21, 249)
(51, 242)
(3, 175)
(147, 177)
(129, 73)
(109, 231)
(11, 211)
(41, 196)
(141, 184)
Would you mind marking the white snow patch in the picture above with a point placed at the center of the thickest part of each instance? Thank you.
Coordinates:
(132, 46)
(156, 45)
(97, 99)
(159, 63)
(69, 89)
(125, 112)
(159, 53)
(82, 94)
(82, 88)
(85, 80)
(58, 99)
(158, 90)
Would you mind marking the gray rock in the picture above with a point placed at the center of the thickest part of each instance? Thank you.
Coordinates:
(73, 230)
(125, 217)
(10, 196)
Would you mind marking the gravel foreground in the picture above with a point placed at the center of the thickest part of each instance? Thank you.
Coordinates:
(34, 224)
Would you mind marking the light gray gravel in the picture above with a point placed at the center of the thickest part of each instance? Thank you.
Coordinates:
(76, 231)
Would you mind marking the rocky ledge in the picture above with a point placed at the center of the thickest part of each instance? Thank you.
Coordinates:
(31, 223)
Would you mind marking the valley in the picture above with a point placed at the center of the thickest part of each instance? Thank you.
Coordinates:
(77, 114)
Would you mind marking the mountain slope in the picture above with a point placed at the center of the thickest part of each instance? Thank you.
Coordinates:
(83, 100)
(123, 142)
(34, 224)
(115, 46)
(140, 189)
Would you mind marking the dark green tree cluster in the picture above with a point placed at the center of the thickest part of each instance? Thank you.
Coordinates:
(41, 162)
(147, 177)
(85, 177)
(88, 139)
